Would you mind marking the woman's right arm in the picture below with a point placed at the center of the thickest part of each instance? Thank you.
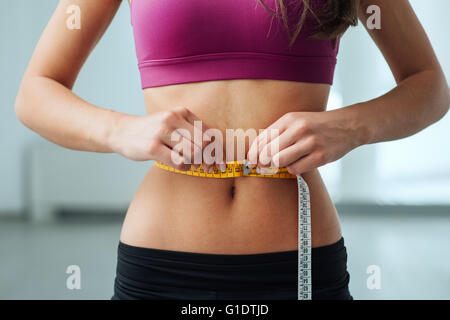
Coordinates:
(46, 104)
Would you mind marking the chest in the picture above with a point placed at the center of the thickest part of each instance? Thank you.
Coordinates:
(197, 26)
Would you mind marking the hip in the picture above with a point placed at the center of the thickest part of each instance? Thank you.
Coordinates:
(148, 273)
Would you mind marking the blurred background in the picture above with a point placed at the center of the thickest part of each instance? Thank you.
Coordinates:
(60, 207)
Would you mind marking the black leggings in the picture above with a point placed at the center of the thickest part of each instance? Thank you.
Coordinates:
(144, 273)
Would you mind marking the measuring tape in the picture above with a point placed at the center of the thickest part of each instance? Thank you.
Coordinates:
(304, 241)
(239, 169)
(233, 169)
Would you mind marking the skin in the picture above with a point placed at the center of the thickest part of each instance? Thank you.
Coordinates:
(237, 215)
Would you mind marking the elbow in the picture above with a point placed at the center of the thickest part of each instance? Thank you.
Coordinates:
(442, 96)
(20, 106)
(444, 106)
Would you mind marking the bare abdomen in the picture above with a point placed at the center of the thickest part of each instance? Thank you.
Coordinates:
(234, 215)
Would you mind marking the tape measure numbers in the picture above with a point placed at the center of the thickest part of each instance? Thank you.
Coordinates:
(239, 169)
(304, 241)
(233, 169)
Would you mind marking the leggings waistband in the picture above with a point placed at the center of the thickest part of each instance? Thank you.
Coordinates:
(230, 259)
(143, 269)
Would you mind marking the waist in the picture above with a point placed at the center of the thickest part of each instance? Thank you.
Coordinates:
(233, 169)
(181, 212)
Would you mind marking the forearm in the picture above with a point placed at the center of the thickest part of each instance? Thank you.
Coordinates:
(416, 102)
(54, 112)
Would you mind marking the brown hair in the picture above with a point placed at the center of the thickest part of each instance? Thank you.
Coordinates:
(333, 18)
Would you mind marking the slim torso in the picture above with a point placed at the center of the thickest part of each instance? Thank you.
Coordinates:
(235, 215)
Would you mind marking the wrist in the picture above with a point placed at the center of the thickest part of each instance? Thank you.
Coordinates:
(353, 120)
(115, 130)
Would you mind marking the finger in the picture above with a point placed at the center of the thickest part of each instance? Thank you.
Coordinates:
(189, 132)
(277, 143)
(220, 153)
(266, 136)
(193, 122)
(203, 137)
(281, 123)
(182, 146)
(214, 153)
(253, 152)
(252, 155)
(199, 130)
(179, 119)
(289, 155)
(176, 126)
(305, 164)
(171, 158)
(187, 114)
(195, 166)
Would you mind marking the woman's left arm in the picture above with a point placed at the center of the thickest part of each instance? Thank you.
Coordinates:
(421, 96)
(309, 140)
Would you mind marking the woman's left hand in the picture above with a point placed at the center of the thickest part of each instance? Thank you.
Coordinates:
(306, 140)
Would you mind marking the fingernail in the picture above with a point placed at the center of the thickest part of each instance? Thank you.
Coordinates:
(265, 170)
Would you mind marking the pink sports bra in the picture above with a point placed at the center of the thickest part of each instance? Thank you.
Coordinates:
(183, 41)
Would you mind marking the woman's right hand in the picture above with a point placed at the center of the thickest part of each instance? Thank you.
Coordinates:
(157, 136)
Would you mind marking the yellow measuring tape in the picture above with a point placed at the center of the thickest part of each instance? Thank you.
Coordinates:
(233, 169)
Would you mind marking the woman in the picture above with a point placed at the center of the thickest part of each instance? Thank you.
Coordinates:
(231, 65)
